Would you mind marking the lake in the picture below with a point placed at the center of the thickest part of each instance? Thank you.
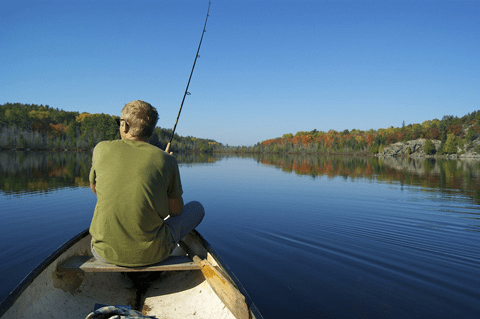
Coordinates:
(308, 237)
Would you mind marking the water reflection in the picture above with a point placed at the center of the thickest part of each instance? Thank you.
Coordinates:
(196, 158)
(446, 175)
(42, 171)
(22, 172)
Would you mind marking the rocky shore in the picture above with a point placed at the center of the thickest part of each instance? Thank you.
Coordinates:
(415, 149)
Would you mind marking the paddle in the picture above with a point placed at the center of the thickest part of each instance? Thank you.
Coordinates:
(224, 288)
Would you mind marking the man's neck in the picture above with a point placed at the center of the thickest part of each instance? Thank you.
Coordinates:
(135, 138)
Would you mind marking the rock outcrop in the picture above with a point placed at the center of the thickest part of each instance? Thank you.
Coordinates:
(415, 148)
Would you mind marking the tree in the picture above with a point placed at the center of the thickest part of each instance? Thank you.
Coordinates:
(21, 141)
(450, 146)
(471, 135)
(455, 129)
(429, 147)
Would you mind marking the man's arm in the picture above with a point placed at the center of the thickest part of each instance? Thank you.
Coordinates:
(175, 206)
(94, 190)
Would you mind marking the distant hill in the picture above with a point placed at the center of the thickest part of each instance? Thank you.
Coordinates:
(41, 127)
(454, 135)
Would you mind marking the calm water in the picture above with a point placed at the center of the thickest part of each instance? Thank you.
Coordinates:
(309, 237)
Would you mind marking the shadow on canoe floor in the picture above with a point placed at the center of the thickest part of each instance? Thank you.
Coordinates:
(160, 283)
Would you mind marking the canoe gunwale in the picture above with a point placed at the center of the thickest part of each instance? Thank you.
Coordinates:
(251, 305)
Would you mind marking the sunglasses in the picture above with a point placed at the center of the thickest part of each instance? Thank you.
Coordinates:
(119, 120)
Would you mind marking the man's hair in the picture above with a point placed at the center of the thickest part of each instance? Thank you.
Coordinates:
(141, 118)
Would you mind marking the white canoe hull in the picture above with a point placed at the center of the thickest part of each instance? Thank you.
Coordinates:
(48, 293)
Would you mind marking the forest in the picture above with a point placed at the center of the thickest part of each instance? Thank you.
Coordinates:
(455, 134)
(41, 127)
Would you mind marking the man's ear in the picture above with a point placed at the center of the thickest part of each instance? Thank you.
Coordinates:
(125, 127)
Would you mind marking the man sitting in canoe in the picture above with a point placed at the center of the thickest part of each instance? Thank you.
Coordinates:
(137, 186)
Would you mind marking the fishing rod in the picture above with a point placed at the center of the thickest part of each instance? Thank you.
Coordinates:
(167, 149)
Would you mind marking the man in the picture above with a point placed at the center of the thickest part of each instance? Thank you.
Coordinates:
(137, 186)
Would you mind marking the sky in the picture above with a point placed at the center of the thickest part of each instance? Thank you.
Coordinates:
(266, 67)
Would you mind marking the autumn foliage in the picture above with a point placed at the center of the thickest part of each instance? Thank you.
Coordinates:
(372, 141)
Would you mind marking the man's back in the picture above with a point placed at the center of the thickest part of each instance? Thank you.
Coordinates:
(133, 182)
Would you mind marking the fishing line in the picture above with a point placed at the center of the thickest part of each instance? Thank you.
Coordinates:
(167, 149)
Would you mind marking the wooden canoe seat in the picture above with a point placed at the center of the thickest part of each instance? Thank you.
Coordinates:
(90, 264)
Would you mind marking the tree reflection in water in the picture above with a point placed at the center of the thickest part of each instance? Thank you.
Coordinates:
(41, 171)
(429, 173)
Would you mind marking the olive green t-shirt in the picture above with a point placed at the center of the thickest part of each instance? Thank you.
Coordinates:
(133, 182)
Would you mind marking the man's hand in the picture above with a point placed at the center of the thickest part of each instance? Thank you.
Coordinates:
(167, 149)
(94, 190)
(175, 206)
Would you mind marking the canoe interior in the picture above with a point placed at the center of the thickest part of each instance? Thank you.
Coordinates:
(50, 293)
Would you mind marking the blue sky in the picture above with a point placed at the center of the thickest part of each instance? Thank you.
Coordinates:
(266, 67)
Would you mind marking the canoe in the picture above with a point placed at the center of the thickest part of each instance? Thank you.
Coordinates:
(192, 283)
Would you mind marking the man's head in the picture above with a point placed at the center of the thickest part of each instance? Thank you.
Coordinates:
(141, 119)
